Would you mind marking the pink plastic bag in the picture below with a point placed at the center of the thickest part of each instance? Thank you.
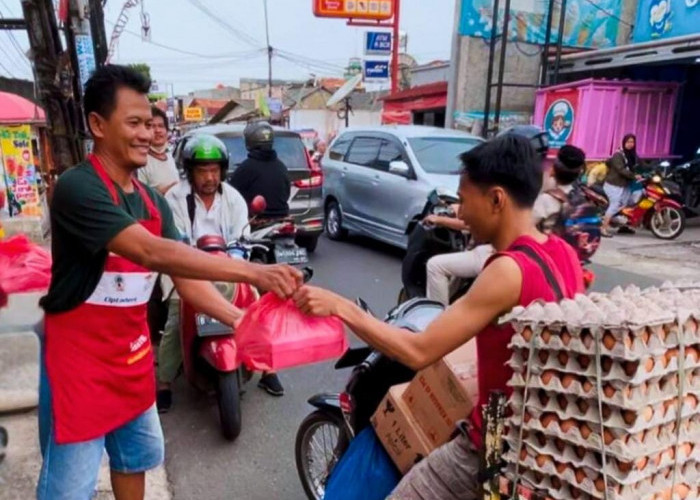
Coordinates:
(24, 266)
(275, 335)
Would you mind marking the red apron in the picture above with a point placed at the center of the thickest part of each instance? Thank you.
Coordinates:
(98, 355)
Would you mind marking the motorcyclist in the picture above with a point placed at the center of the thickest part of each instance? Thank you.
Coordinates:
(262, 173)
(202, 205)
(443, 269)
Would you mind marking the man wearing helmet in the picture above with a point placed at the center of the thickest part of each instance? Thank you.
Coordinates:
(262, 173)
(442, 269)
(202, 205)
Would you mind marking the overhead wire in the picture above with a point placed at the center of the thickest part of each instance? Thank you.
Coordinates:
(13, 41)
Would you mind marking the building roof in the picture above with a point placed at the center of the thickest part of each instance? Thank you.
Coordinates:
(211, 106)
(436, 88)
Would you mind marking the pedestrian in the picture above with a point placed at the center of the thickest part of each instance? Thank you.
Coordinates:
(160, 171)
(558, 185)
(320, 147)
(620, 181)
(111, 235)
(500, 181)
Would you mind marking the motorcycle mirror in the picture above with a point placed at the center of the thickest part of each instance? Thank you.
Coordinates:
(258, 205)
(364, 306)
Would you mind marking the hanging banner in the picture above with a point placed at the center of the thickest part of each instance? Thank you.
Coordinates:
(666, 19)
(587, 23)
(20, 169)
(560, 117)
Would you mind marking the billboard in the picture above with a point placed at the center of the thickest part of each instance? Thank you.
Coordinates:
(587, 23)
(19, 169)
(378, 43)
(658, 19)
(194, 114)
(376, 71)
(356, 9)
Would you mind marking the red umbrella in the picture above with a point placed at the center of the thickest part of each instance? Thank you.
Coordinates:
(16, 109)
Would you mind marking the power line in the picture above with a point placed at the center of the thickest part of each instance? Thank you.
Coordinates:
(609, 13)
(241, 35)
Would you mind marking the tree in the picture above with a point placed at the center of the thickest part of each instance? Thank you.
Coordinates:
(142, 68)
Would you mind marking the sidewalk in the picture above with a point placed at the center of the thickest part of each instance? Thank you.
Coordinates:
(644, 254)
(19, 374)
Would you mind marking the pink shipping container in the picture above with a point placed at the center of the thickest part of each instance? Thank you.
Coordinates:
(596, 114)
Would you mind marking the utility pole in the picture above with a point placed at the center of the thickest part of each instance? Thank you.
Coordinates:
(269, 52)
(454, 69)
(53, 75)
(544, 75)
(395, 48)
(560, 41)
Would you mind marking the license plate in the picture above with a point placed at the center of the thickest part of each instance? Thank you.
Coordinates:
(209, 327)
(291, 255)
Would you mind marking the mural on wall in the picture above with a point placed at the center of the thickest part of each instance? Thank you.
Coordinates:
(666, 19)
(587, 23)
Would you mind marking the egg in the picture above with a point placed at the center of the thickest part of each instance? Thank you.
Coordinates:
(523, 455)
(565, 337)
(609, 341)
(547, 418)
(546, 336)
(567, 380)
(670, 354)
(528, 417)
(580, 451)
(608, 437)
(561, 467)
(606, 364)
(657, 459)
(587, 340)
(585, 431)
(555, 481)
(587, 386)
(543, 397)
(646, 336)
(629, 416)
(691, 401)
(648, 413)
(562, 401)
(609, 391)
(682, 490)
(624, 467)
(685, 450)
(563, 358)
(527, 333)
(539, 477)
(559, 444)
(583, 406)
(583, 361)
(547, 376)
(644, 388)
(649, 365)
(668, 405)
(600, 484)
(544, 356)
(580, 476)
(567, 425)
(691, 353)
(574, 493)
(627, 339)
(641, 463)
(542, 460)
(541, 439)
(630, 367)
(607, 411)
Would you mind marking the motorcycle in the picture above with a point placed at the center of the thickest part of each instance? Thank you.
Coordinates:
(274, 240)
(426, 241)
(324, 435)
(687, 177)
(660, 208)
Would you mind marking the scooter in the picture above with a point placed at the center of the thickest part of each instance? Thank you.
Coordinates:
(426, 241)
(660, 208)
(687, 177)
(324, 435)
(274, 240)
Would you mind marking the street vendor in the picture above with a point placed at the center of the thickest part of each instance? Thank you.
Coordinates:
(111, 235)
(500, 182)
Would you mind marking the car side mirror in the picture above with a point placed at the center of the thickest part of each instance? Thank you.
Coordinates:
(400, 168)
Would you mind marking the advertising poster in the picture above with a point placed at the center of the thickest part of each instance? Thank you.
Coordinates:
(587, 23)
(658, 19)
(560, 117)
(20, 171)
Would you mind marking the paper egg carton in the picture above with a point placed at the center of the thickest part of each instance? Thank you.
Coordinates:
(656, 487)
(573, 406)
(624, 471)
(618, 442)
(633, 372)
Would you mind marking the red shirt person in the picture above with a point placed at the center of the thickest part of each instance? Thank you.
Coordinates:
(500, 182)
(111, 235)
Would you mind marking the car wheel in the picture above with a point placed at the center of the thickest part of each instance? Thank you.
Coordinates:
(334, 222)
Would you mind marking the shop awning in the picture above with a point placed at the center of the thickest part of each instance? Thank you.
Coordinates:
(16, 109)
(679, 49)
(399, 106)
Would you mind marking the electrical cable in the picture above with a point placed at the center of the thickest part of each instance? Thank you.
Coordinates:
(609, 13)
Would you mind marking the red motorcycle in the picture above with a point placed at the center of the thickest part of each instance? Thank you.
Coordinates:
(209, 350)
(660, 208)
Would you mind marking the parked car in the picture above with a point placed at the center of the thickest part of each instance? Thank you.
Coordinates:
(377, 180)
(305, 202)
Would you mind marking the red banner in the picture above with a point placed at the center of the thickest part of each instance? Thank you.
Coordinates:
(375, 10)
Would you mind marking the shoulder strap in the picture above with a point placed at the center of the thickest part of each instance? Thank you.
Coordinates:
(190, 208)
(548, 274)
(558, 194)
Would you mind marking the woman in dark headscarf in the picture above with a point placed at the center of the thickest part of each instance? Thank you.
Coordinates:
(620, 179)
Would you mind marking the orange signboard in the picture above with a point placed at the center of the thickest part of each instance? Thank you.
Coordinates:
(375, 10)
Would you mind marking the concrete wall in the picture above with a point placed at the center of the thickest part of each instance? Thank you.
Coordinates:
(326, 122)
(423, 75)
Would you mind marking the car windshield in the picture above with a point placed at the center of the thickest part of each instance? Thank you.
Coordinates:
(440, 155)
(290, 151)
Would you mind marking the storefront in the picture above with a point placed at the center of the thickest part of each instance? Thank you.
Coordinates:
(420, 105)
(22, 137)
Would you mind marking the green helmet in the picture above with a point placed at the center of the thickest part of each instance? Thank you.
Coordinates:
(204, 148)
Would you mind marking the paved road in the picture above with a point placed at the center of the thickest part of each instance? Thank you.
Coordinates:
(260, 464)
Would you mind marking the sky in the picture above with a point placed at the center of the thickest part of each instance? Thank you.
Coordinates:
(229, 42)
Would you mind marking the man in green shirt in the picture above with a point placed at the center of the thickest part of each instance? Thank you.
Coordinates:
(111, 236)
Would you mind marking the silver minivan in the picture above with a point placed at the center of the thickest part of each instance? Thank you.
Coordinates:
(377, 179)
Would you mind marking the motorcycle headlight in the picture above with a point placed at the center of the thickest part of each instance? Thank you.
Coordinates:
(656, 179)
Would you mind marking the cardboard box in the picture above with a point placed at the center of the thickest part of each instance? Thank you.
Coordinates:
(399, 432)
(444, 393)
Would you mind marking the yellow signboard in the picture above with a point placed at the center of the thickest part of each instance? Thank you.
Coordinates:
(194, 114)
(20, 172)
